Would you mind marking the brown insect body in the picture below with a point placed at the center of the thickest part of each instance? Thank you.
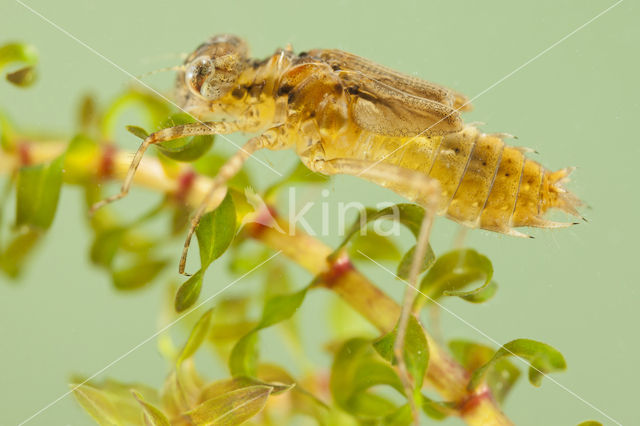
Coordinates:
(329, 105)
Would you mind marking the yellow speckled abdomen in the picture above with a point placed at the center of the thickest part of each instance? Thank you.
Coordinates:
(485, 183)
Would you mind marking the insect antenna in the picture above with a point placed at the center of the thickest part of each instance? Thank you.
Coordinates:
(173, 68)
(149, 59)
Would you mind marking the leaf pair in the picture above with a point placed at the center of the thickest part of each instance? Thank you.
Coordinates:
(113, 239)
(500, 377)
(542, 359)
(215, 233)
(360, 367)
(226, 402)
(114, 403)
(452, 272)
(376, 246)
(185, 396)
(244, 356)
(37, 194)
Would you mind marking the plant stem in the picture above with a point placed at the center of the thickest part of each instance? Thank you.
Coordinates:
(444, 374)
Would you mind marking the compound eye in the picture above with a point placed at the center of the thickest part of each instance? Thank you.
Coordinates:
(198, 71)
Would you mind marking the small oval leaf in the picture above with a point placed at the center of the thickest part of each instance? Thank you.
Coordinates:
(455, 270)
(138, 132)
(13, 257)
(416, 350)
(542, 359)
(96, 403)
(374, 246)
(189, 292)
(216, 231)
(197, 336)
(405, 263)
(184, 149)
(232, 408)
(152, 415)
(500, 378)
(38, 189)
(139, 274)
(24, 77)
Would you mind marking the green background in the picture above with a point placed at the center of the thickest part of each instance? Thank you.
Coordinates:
(576, 289)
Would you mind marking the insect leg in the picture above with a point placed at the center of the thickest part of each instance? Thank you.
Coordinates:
(163, 135)
(417, 187)
(219, 185)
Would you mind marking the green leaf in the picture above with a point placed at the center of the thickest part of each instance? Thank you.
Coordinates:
(139, 274)
(96, 403)
(500, 378)
(24, 77)
(232, 408)
(244, 355)
(197, 336)
(357, 368)
(416, 350)
(222, 387)
(435, 410)
(343, 370)
(105, 246)
(189, 292)
(182, 388)
(15, 254)
(302, 401)
(480, 294)
(542, 359)
(184, 149)
(405, 264)
(375, 246)
(409, 215)
(590, 423)
(216, 231)
(153, 107)
(281, 307)
(38, 190)
(138, 132)
(455, 270)
(19, 53)
(402, 416)
(152, 415)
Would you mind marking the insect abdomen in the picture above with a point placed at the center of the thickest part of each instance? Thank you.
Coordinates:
(487, 184)
(499, 188)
